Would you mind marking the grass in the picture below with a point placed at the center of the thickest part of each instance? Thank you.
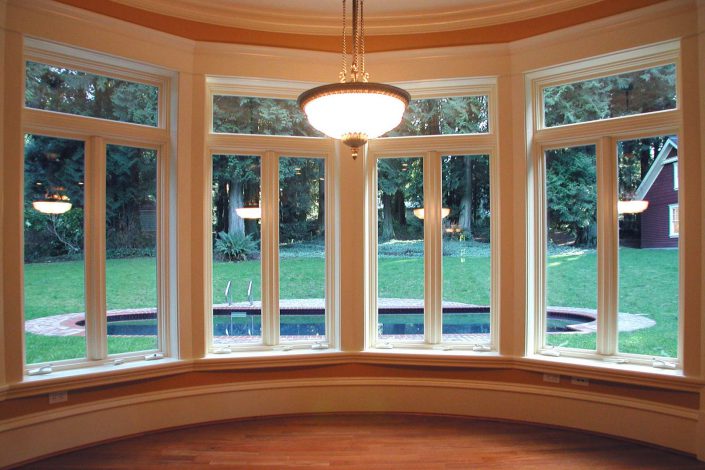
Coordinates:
(648, 280)
(648, 286)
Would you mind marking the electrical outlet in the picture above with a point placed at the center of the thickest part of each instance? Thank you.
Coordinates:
(582, 381)
(58, 397)
(552, 378)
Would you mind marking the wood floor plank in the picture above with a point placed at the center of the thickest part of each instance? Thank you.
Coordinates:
(370, 441)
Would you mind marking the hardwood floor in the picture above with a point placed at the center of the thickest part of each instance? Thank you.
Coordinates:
(370, 441)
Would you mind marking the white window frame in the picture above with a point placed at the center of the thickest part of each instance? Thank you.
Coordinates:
(431, 149)
(270, 149)
(604, 134)
(675, 175)
(673, 216)
(97, 133)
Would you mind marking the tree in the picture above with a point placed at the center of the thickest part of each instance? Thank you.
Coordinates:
(234, 178)
(571, 182)
(466, 192)
(438, 116)
(400, 187)
(301, 202)
(53, 167)
(618, 95)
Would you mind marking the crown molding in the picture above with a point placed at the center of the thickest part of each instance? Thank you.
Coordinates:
(603, 26)
(61, 13)
(327, 22)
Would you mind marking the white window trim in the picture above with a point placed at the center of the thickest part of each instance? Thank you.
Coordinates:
(97, 133)
(270, 149)
(675, 175)
(604, 134)
(672, 233)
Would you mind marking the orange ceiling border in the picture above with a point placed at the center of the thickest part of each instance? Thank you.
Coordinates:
(495, 34)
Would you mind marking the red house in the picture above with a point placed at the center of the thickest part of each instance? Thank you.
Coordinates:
(659, 222)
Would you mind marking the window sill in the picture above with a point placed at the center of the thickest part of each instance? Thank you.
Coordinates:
(435, 357)
(610, 371)
(92, 376)
(271, 358)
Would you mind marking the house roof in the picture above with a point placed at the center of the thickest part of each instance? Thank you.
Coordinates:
(661, 160)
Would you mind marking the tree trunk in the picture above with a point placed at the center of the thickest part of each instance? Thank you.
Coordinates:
(321, 220)
(236, 225)
(387, 225)
(465, 218)
(644, 160)
(399, 208)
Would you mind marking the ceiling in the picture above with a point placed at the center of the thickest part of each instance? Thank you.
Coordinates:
(381, 16)
(389, 24)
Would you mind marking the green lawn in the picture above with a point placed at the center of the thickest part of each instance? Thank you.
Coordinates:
(648, 281)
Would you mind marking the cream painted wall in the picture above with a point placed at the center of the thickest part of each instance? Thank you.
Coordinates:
(3, 9)
(193, 61)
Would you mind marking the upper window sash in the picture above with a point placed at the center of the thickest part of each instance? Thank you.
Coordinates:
(105, 67)
(279, 95)
(610, 66)
(478, 94)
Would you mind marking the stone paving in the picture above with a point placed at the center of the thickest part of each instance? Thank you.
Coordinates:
(70, 324)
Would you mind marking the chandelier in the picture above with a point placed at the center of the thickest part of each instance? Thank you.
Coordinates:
(355, 109)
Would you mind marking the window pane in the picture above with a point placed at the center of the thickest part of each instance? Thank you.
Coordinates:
(400, 248)
(131, 248)
(466, 248)
(54, 301)
(237, 266)
(648, 251)
(643, 91)
(437, 116)
(74, 92)
(571, 264)
(302, 248)
(265, 116)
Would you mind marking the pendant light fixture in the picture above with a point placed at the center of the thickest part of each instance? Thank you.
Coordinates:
(355, 109)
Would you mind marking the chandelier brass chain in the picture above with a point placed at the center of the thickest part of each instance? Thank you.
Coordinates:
(354, 110)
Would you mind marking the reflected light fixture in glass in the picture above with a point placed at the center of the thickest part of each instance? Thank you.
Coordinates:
(632, 207)
(419, 213)
(53, 203)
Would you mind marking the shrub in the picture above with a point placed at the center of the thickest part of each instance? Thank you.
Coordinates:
(234, 247)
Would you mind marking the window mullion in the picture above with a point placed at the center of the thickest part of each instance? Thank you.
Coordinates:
(433, 301)
(607, 247)
(536, 265)
(371, 221)
(94, 204)
(165, 193)
(270, 249)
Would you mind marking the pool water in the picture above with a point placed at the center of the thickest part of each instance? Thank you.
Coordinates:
(250, 324)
